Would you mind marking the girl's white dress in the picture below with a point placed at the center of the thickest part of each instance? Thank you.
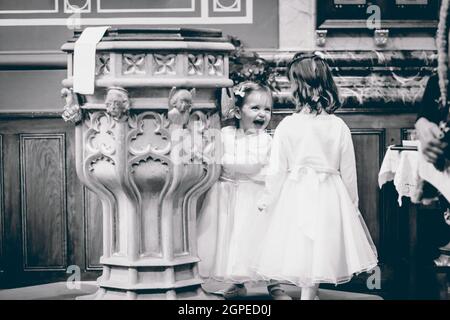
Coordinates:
(229, 226)
(316, 233)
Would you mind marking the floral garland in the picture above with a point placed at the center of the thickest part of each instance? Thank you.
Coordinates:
(245, 68)
(250, 67)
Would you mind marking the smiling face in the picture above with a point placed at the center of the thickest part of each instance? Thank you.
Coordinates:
(256, 112)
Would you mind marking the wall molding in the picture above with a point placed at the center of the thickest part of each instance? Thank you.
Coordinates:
(234, 7)
(204, 17)
(54, 10)
(69, 8)
(33, 60)
(14, 115)
(191, 8)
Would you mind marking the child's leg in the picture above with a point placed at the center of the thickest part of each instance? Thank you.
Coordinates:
(276, 291)
(309, 293)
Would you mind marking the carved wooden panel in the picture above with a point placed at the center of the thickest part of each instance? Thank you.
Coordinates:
(369, 151)
(43, 201)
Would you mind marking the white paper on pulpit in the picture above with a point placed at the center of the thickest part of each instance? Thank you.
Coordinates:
(84, 59)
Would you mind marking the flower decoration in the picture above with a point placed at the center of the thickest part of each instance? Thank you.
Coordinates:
(249, 66)
(238, 90)
(245, 68)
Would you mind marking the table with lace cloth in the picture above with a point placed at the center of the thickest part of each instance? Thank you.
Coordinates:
(401, 167)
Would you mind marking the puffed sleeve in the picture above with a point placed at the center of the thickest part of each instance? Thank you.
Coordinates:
(276, 171)
(348, 165)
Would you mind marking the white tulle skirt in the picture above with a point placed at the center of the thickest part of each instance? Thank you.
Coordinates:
(229, 230)
(315, 235)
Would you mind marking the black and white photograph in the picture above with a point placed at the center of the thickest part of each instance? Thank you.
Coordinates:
(236, 152)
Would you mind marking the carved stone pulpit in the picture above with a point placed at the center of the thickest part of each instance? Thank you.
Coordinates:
(145, 146)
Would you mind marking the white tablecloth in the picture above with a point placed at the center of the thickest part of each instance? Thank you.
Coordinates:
(402, 167)
(409, 170)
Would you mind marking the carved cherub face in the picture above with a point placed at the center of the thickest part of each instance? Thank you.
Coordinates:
(180, 105)
(256, 111)
(72, 111)
(117, 102)
(181, 99)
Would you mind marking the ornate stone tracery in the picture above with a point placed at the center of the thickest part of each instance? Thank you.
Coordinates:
(149, 162)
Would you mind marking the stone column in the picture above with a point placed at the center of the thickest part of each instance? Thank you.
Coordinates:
(142, 142)
(297, 25)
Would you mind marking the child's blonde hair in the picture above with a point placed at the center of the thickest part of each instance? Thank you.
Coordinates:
(243, 90)
(313, 84)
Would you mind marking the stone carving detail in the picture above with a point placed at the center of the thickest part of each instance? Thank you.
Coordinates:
(204, 137)
(215, 65)
(196, 64)
(148, 153)
(371, 79)
(72, 111)
(117, 103)
(165, 64)
(160, 132)
(100, 140)
(133, 64)
(180, 105)
(102, 64)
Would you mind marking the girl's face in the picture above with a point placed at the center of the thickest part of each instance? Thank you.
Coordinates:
(256, 112)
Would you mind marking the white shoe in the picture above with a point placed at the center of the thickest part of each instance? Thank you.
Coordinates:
(232, 292)
(277, 293)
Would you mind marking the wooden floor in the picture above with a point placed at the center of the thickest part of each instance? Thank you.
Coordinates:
(60, 291)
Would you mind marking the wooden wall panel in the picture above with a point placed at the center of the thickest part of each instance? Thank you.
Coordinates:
(369, 151)
(43, 199)
(43, 183)
(12, 237)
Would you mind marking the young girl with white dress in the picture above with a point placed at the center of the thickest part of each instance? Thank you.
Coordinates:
(229, 225)
(316, 233)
